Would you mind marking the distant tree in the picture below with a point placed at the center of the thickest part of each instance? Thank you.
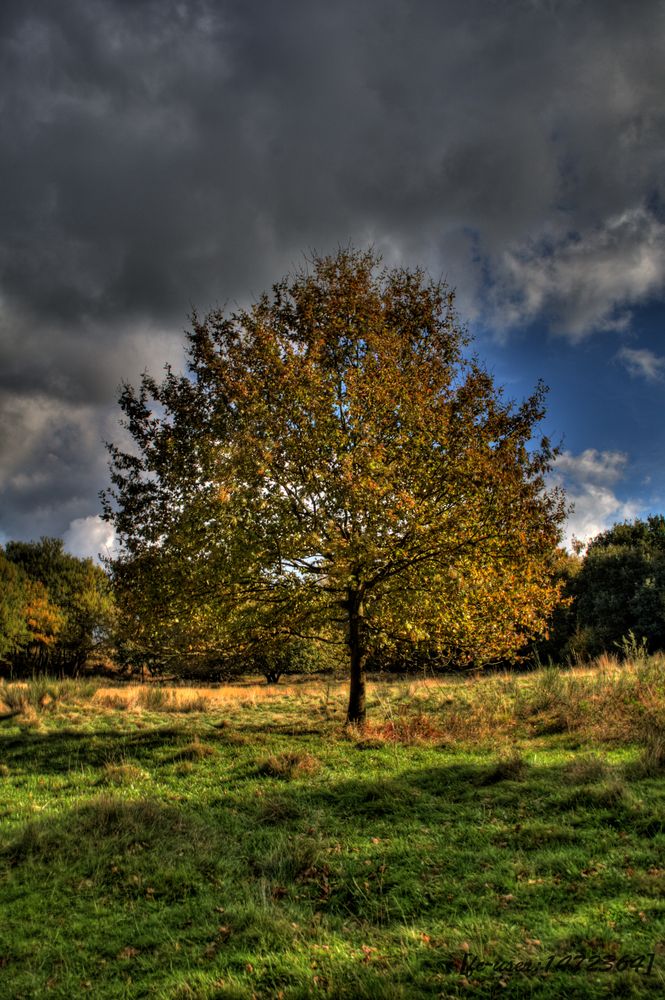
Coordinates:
(46, 623)
(29, 623)
(333, 466)
(288, 656)
(14, 631)
(70, 609)
(621, 587)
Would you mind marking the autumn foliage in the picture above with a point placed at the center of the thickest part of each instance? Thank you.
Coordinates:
(334, 467)
(56, 610)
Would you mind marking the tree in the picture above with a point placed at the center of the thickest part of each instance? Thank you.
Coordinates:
(621, 587)
(332, 465)
(69, 606)
(30, 624)
(14, 632)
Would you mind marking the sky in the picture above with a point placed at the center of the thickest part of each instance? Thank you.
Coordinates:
(157, 156)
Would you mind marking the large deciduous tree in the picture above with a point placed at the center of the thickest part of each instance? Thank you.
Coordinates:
(332, 465)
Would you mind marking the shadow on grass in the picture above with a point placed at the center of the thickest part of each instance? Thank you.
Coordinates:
(59, 751)
(250, 873)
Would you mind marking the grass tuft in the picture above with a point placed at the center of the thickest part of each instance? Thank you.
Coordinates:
(155, 699)
(197, 703)
(195, 751)
(124, 773)
(511, 768)
(586, 769)
(652, 740)
(15, 697)
(407, 727)
(291, 764)
(116, 702)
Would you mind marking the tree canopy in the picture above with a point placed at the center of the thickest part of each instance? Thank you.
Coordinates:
(332, 465)
(55, 609)
(621, 587)
(14, 598)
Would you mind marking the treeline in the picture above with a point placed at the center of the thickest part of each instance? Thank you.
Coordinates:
(613, 595)
(56, 610)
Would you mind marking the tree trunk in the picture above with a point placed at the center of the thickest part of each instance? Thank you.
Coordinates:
(358, 658)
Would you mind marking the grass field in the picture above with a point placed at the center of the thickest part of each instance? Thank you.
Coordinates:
(238, 842)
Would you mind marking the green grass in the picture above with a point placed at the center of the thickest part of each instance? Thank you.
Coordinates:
(250, 847)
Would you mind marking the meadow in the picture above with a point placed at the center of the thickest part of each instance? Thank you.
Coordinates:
(486, 836)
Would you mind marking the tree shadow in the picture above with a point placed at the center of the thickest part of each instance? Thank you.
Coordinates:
(61, 751)
(506, 852)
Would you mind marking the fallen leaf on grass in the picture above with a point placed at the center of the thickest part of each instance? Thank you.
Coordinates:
(128, 952)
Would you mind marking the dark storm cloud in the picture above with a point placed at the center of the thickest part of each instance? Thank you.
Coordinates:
(162, 154)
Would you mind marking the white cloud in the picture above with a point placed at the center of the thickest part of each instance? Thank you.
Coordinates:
(596, 508)
(586, 281)
(591, 466)
(90, 537)
(643, 363)
(588, 479)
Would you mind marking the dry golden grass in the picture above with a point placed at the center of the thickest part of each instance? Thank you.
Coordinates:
(408, 727)
(182, 699)
(14, 698)
(114, 701)
(607, 700)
